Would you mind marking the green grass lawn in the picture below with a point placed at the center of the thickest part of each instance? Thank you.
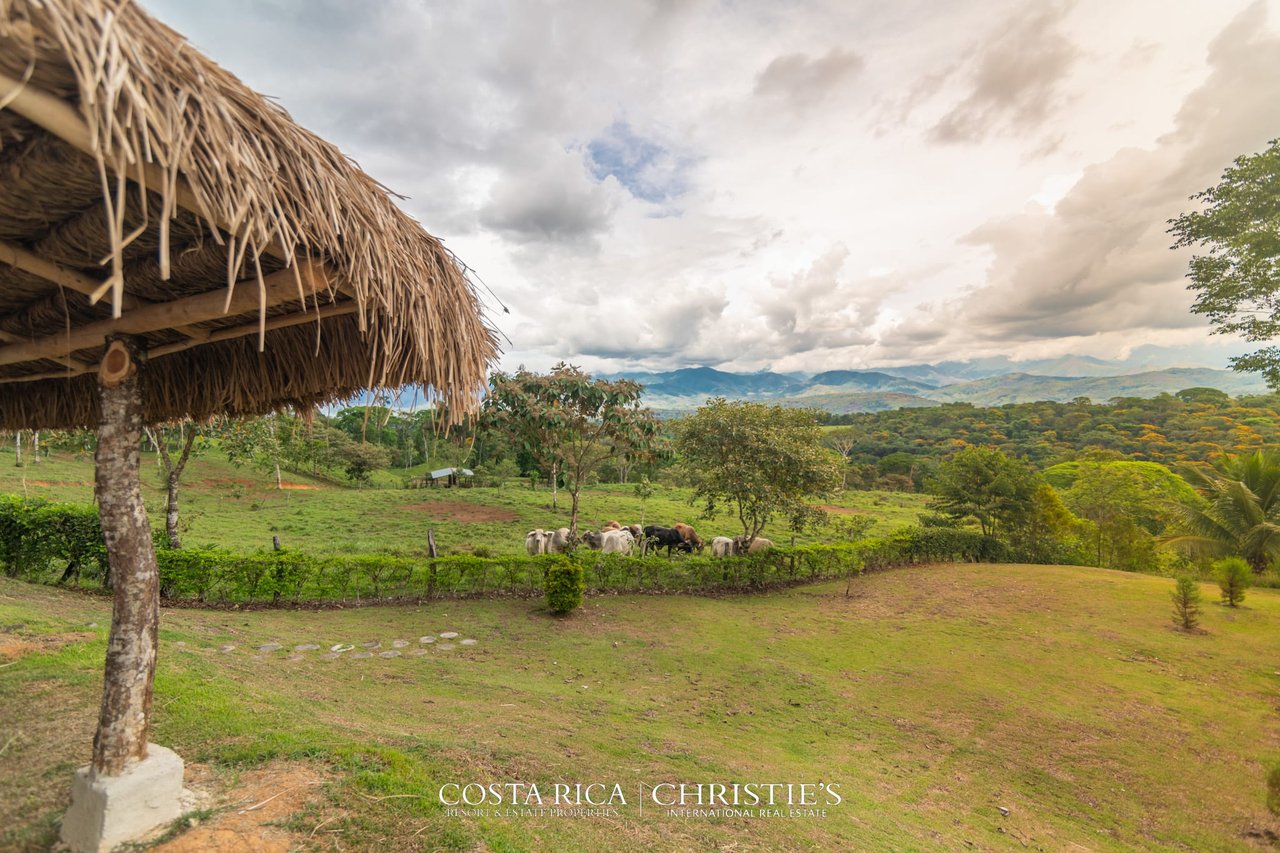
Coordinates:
(934, 697)
(240, 508)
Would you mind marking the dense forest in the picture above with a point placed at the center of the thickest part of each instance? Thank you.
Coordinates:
(897, 449)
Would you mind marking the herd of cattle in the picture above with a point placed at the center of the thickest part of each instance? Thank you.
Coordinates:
(614, 538)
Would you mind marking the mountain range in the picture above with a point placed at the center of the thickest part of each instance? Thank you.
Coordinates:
(982, 382)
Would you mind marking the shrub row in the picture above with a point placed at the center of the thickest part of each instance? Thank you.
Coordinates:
(50, 543)
(47, 541)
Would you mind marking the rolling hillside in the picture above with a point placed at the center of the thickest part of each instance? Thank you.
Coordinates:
(846, 391)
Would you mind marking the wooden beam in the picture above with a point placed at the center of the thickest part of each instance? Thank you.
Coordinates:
(279, 287)
(282, 322)
(65, 122)
(17, 257)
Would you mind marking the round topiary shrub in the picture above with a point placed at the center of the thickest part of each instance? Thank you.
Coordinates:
(564, 585)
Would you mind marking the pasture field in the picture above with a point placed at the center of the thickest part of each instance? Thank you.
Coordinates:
(986, 707)
(241, 509)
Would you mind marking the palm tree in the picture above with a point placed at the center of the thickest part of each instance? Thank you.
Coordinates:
(1240, 515)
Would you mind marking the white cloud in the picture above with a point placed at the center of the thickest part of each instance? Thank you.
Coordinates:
(655, 183)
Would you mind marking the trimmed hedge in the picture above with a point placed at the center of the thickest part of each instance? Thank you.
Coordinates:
(564, 585)
(50, 543)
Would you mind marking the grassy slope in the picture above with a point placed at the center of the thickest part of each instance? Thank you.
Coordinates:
(934, 696)
(240, 508)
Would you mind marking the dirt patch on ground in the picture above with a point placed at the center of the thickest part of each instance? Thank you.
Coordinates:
(842, 510)
(47, 483)
(299, 487)
(248, 809)
(467, 513)
(13, 647)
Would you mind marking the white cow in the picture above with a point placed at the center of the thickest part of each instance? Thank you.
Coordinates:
(535, 542)
(617, 541)
(722, 546)
(559, 541)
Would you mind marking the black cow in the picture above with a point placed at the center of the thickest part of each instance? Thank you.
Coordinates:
(665, 537)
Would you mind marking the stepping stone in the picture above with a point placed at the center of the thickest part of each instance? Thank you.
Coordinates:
(270, 647)
(448, 635)
(179, 643)
(468, 642)
(341, 647)
(419, 652)
(306, 647)
(227, 648)
(330, 656)
(389, 653)
(444, 646)
(372, 644)
(399, 644)
(293, 658)
(429, 639)
(361, 655)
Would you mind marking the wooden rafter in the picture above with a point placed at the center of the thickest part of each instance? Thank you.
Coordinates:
(278, 288)
(16, 256)
(282, 322)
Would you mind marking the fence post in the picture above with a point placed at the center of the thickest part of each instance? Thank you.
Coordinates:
(431, 572)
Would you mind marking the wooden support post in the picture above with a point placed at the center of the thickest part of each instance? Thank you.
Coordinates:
(125, 716)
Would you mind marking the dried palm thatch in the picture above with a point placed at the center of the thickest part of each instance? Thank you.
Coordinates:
(145, 190)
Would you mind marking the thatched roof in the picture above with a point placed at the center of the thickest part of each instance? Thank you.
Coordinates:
(259, 267)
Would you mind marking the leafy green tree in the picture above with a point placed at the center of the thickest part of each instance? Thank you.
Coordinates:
(1240, 515)
(254, 442)
(761, 461)
(1186, 602)
(567, 418)
(985, 485)
(362, 459)
(1233, 579)
(1126, 509)
(1047, 532)
(1237, 282)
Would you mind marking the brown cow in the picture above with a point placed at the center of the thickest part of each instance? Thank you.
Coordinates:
(688, 534)
(613, 525)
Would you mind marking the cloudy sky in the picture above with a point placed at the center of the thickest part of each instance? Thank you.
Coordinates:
(815, 185)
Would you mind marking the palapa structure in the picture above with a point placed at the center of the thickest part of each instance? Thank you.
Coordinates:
(173, 245)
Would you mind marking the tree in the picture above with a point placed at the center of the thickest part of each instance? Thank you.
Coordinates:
(1233, 579)
(253, 441)
(361, 459)
(644, 491)
(1045, 533)
(1237, 282)
(1186, 603)
(567, 418)
(985, 485)
(1126, 507)
(760, 460)
(1240, 515)
(174, 443)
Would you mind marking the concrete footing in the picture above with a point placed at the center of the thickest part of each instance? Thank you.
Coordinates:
(110, 810)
